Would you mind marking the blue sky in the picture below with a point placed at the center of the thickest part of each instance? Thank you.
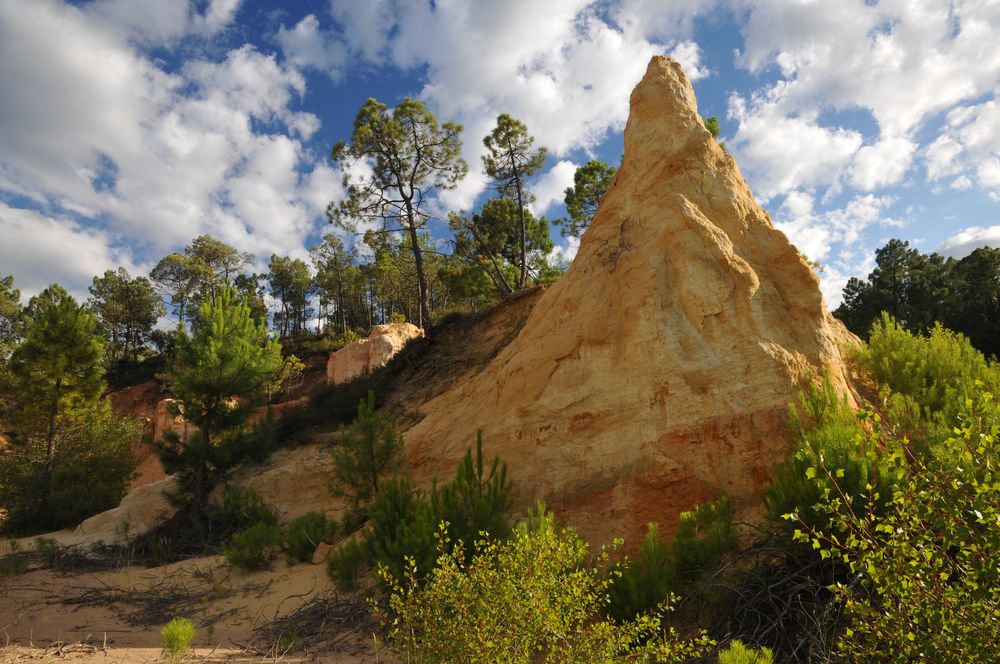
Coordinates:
(128, 127)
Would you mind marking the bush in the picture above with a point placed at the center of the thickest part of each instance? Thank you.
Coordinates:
(255, 547)
(176, 637)
(737, 653)
(405, 522)
(823, 427)
(366, 451)
(304, 534)
(344, 564)
(538, 593)
(936, 373)
(927, 586)
(92, 472)
(240, 509)
(663, 568)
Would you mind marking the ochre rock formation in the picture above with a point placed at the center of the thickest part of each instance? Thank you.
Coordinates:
(657, 373)
(366, 355)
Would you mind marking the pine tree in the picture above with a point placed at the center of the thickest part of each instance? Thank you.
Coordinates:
(219, 375)
(366, 451)
(509, 161)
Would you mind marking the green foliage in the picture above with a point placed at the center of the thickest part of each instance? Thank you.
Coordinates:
(344, 564)
(410, 154)
(219, 375)
(535, 597)
(918, 290)
(11, 317)
(255, 547)
(737, 653)
(712, 125)
(924, 380)
(509, 162)
(303, 535)
(176, 637)
(590, 182)
(489, 242)
(239, 509)
(292, 286)
(402, 525)
(91, 472)
(365, 452)
(127, 309)
(927, 587)
(404, 522)
(673, 567)
(198, 274)
(476, 501)
(824, 427)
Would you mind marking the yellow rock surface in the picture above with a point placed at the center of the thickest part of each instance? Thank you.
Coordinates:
(657, 373)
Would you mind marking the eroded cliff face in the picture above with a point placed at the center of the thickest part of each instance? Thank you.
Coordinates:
(657, 373)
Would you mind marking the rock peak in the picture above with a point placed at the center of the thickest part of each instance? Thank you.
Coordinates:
(657, 372)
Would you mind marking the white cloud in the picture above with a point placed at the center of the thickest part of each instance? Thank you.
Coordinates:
(781, 153)
(884, 163)
(40, 250)
(562, 255)
(831, 236)
(305, 45)
(965, 241)
(902, 60)
(551, 187)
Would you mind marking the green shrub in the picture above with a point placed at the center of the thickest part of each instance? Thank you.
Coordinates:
(823, 427)
(936, 372)
(737, 653)
(365, 452)
(537, 593)
(927, 586)
(303, 535)
(255, 547)
(240, 509)
(404, 522)
(93, 468)
(673, 567)
(344, 564)
(176, 637)
(402, 525)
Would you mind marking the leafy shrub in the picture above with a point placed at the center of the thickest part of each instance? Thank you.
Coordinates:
(537, 594)
(402, 525)
(365, 452)
(663, 568)
(405, 522)
(240, 509)
(303, 535)
(255, 547)
(344, 564)
(927, 587)
(176, 637)
(824, 427)
(92, 472)
(737, 653)
(936, 373)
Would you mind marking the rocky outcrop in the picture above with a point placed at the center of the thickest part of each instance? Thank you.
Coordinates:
(657, 373)
(366, 355)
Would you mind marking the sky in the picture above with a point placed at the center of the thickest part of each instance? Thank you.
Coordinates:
(129, 127)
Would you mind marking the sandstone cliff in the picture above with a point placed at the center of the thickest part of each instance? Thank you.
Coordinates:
(657, 372)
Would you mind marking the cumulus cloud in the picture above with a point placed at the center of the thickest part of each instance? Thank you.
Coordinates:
(215, 147)
(551, 187)
(40, 250)
(834, 236)
(965, 241)
(901, 61)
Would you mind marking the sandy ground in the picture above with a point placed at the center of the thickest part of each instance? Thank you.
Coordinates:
(115, 615)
